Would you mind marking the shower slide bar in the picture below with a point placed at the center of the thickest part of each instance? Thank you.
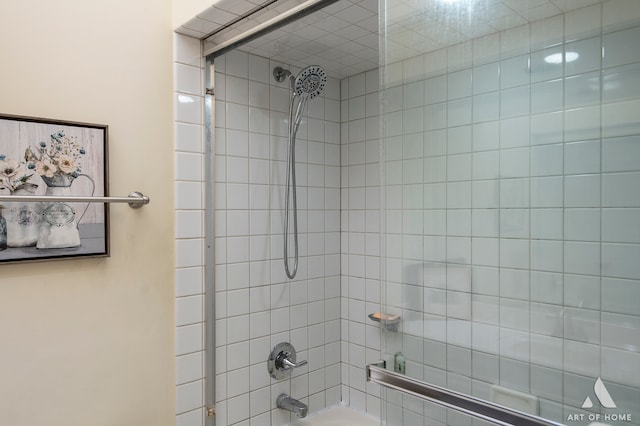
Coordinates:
(135, 199)
(476, 407)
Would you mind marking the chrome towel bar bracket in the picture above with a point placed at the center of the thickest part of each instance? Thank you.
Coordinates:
(135, 199)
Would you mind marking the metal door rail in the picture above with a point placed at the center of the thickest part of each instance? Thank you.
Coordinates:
(476, 407)
(135, 199)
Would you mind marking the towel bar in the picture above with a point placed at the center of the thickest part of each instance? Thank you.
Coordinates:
(135, 199)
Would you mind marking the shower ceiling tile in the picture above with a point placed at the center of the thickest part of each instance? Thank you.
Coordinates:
(343, 37)
(541, 12)
(370, 25)
(217, 16)
(372, 5)
(282, 6)
(200, 25)
(336, 7)
(355, 14)
(235, 7)
(508, 22)
(332, 24)
(352, 32)
(567, 5)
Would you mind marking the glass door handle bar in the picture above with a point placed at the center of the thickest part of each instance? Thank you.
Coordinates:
(476, 407)
(135, 199)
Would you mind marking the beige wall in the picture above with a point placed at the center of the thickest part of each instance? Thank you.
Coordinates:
(90, 342)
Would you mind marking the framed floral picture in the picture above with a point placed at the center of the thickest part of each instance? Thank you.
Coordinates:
(58, 160)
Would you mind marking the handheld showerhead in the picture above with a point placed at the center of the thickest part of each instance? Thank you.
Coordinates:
(310, 82)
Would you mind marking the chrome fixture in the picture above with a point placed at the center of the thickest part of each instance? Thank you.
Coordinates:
(135, 199)
(390, 322)
(298, 408)
(310, 81)
(280, 74)
(308, 84)
(282, 360)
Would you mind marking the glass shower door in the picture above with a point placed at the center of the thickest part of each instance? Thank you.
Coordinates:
(510, 159)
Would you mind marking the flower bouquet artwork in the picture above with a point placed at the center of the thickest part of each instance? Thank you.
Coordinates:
(58, 165)
(59, 160)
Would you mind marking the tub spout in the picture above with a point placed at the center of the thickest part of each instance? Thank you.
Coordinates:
(285, 402)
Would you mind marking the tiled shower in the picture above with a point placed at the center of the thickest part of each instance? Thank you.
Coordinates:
(511, 181)
(257, 306)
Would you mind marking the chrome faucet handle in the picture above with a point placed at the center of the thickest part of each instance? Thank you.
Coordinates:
(287, 363)
(282, 360)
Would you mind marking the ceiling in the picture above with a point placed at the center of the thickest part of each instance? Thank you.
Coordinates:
(344, 36)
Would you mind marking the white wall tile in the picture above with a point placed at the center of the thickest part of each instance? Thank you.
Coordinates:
(547, 96)
(541, 69)
(259, 69)
(189, 339)
(582, 224)
(514, 253)
(582, 258)
(620, 49)
(186, 50)
(514, 132)
(459, 112)
(486, 78)
(612, 359)
(486, 49)
(189, 310)
(583, 357)
(192, 418)
(187, 79)
(189, 367)
(621, 83)
(618, 260)
(582, 291)
(618, 190)
(620, 331)
(459, 84)
(188, 253)
(189, 281)
(188, 108)
(514, 162)
(514, 102)
(546, 255)
(237, 63)
(582, 123)
(486, 107)
(582, 22)
(589, 59)
(189, 396)
(547, 160)
(618, 154)
(188, 137)
(514, 72)
(620, 225)
(582, 190)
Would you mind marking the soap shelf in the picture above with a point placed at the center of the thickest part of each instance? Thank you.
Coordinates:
(390, 322)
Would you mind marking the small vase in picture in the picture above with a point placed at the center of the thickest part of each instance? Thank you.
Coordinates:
(59, 223)
(22, 219)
